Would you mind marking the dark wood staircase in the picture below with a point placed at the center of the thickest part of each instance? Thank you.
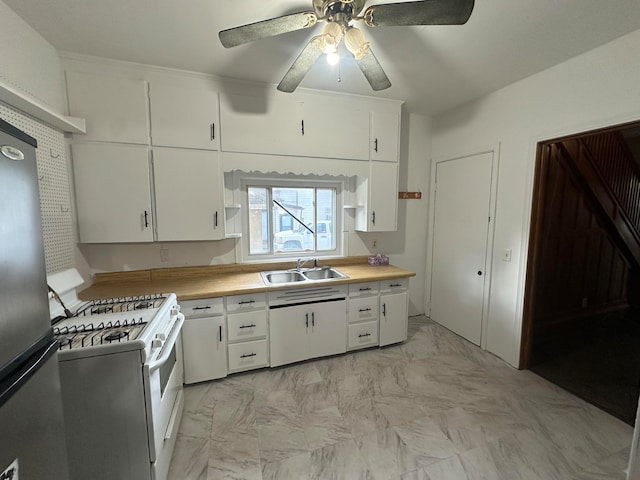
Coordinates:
(610, 177)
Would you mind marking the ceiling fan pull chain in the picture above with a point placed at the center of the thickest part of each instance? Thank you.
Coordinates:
(339, 73)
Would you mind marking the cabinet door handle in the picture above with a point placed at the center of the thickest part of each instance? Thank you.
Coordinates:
(302, 127)
(313, 319)
(146, 219)
(247, 326)
(215, 219)
(306, 319)
(364, 310)
(373, 217)
(375, 145)
(248, 355)
(384, 309)
(201, 308)
(364, 335)
(245, 302)
(213, 132)
(220, 333)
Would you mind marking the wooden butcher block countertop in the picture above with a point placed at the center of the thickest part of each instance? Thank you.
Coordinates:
(189, 283)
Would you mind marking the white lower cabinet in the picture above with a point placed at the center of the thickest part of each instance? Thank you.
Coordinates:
(235, 334)
(363, 335)
(247, 332)
(248, 355)
(204, 346)
(307, 331)
(393, 318)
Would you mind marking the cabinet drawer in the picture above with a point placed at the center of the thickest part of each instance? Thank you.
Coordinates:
(394, 285)
(364, 308)
(202, 307)
(362, 289)
(363, 335)
(247, 325)
(247, 355)
(241, 303)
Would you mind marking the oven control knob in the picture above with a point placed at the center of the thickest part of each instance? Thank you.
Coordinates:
(161, 336)
(175, 310)
(156, 343)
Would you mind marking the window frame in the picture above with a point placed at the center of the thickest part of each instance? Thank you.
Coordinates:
(337, 183)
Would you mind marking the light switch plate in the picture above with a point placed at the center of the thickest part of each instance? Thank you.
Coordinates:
(506, 256)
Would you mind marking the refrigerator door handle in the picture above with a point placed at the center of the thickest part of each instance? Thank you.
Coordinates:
(27, 369)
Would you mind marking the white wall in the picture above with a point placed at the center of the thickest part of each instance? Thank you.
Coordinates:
(596, 89)
(30, 63)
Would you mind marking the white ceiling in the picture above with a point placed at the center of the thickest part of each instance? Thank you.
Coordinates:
(432, 68)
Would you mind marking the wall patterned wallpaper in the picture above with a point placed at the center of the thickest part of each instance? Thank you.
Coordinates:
(53, 180)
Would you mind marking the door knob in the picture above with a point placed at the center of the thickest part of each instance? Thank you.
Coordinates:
(479, 272)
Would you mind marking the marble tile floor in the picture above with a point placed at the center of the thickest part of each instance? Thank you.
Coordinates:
(433, 408)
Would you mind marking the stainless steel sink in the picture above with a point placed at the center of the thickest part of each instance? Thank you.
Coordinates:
(282, 277)
(323, 274)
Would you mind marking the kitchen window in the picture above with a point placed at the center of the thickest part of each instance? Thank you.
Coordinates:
(291, 218)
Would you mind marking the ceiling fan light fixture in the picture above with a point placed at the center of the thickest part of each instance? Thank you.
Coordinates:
(333, 58)
(356, 42)
(331, 37)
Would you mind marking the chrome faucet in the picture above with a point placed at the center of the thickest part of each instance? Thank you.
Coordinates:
(300, 263)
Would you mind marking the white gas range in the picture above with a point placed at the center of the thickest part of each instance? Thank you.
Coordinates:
(121, 375)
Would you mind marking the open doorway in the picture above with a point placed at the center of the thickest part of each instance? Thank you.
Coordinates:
(581, 323)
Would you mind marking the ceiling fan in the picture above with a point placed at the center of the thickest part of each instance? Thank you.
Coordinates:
(340, 16)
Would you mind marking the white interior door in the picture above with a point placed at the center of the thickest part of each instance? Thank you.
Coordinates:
(460, 235)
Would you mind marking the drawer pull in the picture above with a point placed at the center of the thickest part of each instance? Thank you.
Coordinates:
(364, 310)
(365, 289)
(247, 326)
(364, 335)
(395, 284)
(201, 308)
(246, 355)
(246, 302)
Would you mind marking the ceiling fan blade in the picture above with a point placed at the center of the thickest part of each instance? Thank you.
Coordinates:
(427, 12)
(301, 66)
(373, 71)
(267, 28)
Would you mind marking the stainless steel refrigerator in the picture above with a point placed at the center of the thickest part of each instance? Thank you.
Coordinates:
(32, 445)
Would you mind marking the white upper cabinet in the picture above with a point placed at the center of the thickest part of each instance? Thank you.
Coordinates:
(311, 126)
(184, 116)
(188, 194)
(385, 135)
(113, 193)
(377, 209)
(255, 124)
(115, 108)
(333, 129)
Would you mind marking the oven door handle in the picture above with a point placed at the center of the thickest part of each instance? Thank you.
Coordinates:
(168, 345)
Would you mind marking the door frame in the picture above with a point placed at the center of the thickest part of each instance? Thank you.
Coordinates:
(535, 231)
(494, 150)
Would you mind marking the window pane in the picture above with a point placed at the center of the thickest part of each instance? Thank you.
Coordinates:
(291, 215)
(258, 220)
(326, 210)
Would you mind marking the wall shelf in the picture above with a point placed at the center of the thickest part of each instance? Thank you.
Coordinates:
(29, 105)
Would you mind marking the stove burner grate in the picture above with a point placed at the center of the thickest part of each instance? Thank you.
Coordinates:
(121, 304)
(86, 335)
